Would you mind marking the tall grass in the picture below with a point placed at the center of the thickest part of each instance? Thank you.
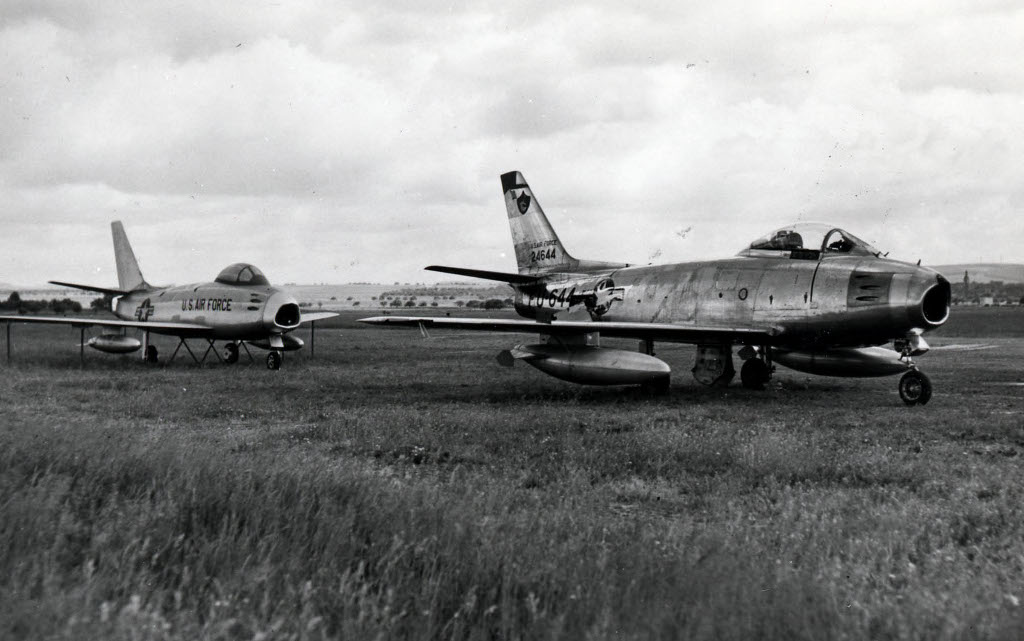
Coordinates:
(411, 494)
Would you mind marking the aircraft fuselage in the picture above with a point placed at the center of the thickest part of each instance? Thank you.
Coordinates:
(832, 301)
(233, 312)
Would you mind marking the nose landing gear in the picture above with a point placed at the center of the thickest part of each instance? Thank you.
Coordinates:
(231, 353)
(915, 388)
(274, 359)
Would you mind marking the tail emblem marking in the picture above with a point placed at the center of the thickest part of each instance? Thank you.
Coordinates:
(523, 202)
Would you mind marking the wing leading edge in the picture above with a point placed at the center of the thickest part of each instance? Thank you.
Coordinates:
(184, 328)
(315, 316)
(645, 331)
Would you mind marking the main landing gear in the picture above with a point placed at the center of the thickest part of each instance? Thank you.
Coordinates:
(755, 373)
(757, 367)
(151, 354)
(231, 353)
(274, 359)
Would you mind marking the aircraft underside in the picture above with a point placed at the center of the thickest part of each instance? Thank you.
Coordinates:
(584, 361)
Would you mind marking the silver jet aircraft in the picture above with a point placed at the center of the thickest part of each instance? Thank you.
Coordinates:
(239, 306)
(811, 297)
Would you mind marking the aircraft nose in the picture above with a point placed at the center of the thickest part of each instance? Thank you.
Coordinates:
(281, 312)
(929, 299)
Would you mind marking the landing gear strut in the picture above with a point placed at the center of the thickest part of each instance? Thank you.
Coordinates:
(915, 388)
(757, 366)
(274, 359)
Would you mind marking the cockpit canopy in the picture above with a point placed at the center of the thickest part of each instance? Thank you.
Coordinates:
(810, 240)
(242, 274)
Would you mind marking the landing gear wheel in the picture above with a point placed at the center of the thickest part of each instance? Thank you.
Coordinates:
(915, 388)
(151, 353)
(754, 374)
(658, 387)
(231, 353)
(274, 360)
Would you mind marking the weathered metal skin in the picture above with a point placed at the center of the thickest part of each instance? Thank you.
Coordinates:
(234, 312)
(817, 295)
(289, 343)
(813, 303)
(592, 365)
(115, 343)
(823, 300)
(843, 361)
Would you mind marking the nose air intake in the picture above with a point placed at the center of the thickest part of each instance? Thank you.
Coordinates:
(287, 315)
(935, 304)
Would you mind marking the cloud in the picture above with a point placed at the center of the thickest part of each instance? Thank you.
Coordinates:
(309, 136)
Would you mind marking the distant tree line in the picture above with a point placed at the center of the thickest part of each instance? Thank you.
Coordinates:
(15, 303)
(491, 303)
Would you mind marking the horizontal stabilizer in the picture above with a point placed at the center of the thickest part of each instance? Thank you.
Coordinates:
(504, 277)
(670, 332)
(312, 317)
(91, 288)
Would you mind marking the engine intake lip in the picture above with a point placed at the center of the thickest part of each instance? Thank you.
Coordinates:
(287, 315)
(936, 301)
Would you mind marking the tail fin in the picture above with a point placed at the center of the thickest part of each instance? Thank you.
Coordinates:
(538, 248)
(129, 277)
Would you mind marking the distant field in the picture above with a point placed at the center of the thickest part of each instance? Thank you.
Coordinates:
(984, 272)
(401, 487)
(327, 297)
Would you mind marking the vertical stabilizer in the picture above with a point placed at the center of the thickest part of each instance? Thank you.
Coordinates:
(537, 246)
(129, 277)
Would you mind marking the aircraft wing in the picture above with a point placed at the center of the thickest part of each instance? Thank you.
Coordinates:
(674, 332)
(315, 316)
(103, 322)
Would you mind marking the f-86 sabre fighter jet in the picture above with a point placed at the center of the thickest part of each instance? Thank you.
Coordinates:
(239, 307)
(811, 297)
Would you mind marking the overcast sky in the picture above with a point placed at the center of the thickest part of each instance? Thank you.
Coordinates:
(334, 143)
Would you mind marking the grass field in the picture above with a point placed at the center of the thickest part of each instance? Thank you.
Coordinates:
(396, 487)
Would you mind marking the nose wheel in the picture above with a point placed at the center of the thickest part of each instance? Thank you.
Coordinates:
(915, 388)
(274, 360)
(231, 353)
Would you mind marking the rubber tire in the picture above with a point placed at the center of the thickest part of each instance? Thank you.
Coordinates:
(231, 353)
(151, 354)
(658, 387)
(915, 388)
(274, 360)
(754, 374)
